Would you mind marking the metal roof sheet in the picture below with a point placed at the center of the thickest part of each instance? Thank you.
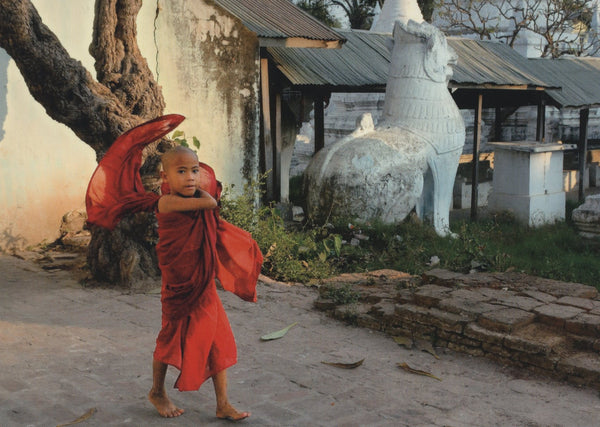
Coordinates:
(363, 63)
(278, 19)
(578, 78)
(491, 63)
(364, 59)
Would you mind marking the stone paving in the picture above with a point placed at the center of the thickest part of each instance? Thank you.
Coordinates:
(547, 326)
(66, 348)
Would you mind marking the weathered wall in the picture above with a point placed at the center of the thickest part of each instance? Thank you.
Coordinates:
(207, 66)
(44, 167)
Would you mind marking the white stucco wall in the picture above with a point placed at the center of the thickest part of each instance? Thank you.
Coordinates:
(206, 63)
(44, 167)
(208, 69)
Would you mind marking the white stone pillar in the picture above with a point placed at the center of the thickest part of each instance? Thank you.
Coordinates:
(528, 181)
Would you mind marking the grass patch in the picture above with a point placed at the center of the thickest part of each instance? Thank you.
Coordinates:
(498, 243)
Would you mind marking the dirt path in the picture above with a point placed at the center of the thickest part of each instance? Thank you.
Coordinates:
(65, 349)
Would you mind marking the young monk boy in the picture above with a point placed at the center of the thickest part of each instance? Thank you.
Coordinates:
(195, 246)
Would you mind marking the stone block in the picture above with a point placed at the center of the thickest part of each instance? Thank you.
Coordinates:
(324, 304)
(430, 295)
(466, 349)
(587, 216)
(520, 302)
(582, 343)
(492, 293)
(466, 307)
(497, 350)
(412, 313)
(545, 362)
(540, 296)
(469, 295)
(585, 303)
(448, 321)
(535, 339)
(555, 315)
(370, 322)
(585, 366)
(525, 345)
(505, 319)
(561, 289)
(476, 332)
(442, 277)
(584, 324)
(404, 296)
(458, 339)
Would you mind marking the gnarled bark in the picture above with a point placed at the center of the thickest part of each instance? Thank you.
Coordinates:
(98, 111)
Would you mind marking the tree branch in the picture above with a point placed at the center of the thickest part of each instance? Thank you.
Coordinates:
(58, 82)
(119, 64)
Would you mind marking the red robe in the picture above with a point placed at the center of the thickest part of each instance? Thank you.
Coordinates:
(194, 248)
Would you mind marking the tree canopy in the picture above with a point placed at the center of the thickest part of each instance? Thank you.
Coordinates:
(563, 26)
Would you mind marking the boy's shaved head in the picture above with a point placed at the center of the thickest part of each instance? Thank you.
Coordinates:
(179, 150)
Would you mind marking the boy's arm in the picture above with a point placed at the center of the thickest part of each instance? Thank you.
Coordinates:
(173, 203)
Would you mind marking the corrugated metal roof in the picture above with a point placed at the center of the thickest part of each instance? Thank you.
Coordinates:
(278, 19)
(579, 79)
(363, 61)
(492, 63)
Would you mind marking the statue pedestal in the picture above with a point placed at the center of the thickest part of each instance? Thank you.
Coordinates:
(587, 217)
(528, 181)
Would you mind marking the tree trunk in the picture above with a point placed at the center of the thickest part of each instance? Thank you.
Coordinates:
(124, 95)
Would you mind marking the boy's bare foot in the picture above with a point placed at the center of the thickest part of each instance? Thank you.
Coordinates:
(163, 405)
(228, 412)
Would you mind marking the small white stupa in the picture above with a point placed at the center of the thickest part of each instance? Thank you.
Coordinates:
(396, 10)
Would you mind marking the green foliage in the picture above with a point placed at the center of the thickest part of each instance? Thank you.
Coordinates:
(340, 295)
(179, 137)
(289, 255)
(498, 243)
(320, 10)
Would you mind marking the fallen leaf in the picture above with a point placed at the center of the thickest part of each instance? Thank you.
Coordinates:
(427, 347)
(404, 341)
(82, 418)
(407, 368)
(277, 334)
(345, 365)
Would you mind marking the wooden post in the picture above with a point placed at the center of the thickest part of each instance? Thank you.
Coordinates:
(278, 147)
(584, 115)
(540, 131)
(319, 122)
(266, 116)
(475, 162)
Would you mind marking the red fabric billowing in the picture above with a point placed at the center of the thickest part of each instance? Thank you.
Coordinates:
(115, 188)
(194, 248)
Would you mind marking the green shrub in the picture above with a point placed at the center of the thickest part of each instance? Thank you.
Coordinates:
(340, 295)
(497, 243)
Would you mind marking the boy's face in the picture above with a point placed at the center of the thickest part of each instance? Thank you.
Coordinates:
(182, 173)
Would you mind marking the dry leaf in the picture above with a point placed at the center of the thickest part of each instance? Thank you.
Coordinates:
(407, 368)
(404, 341)
(427, 347)
(277, 334)
(345, 365)
(84, 417)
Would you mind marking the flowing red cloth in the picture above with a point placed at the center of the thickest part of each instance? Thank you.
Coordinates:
(194, 248)
(115, 188)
